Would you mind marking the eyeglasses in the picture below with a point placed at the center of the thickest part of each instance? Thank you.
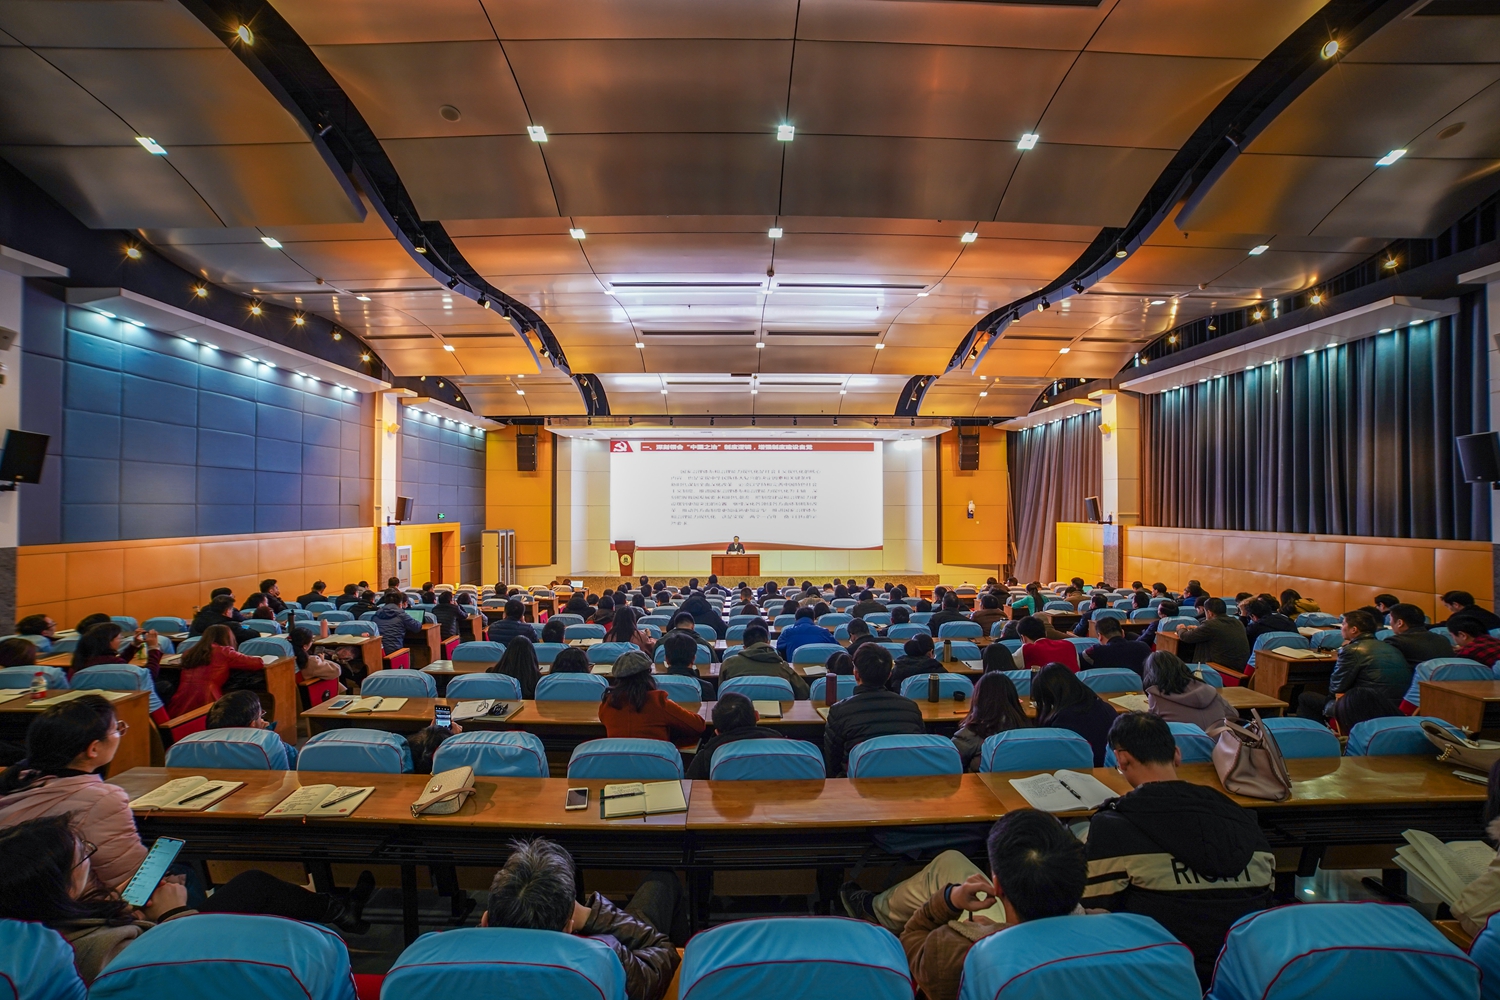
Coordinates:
(89, 850)
(122, 727)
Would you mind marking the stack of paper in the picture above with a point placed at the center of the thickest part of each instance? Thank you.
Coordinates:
(1132, 702)
(185, 794)
(1447, 868)
(1063, 791)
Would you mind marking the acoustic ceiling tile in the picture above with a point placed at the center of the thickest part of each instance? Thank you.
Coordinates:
(895, 177)
(112, 187)
(1081, 185)
(677, 174)
(467, 177)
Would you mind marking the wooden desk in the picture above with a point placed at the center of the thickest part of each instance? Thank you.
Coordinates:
(1277, 674)
(367, 650)
(838, 803)
(1244, 699)
(1131, 629)
(1063, 621)
(734, 567)
(1166, 642)
(1473, 706)
(425, 652)
(131, 707)
(281, 685)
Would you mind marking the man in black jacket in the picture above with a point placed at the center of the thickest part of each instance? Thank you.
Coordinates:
(1416, 641)
(315, 594)
(513, 624)
(1366, 662)
(220, 611)
(1461, 602)
(1265, 618)
(950, 613)
(869, 712)
(1220, 639)
(273, 595)
(867, 606)
(735, 718)
(1183, 854)
(349, 596)
(1115, 649)
(1164, 610)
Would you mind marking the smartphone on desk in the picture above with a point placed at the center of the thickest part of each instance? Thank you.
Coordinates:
(578, 798)
(442, 716)
(149, 875)
(341, 703)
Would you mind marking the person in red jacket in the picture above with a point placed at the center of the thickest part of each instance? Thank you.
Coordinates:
(206, 668)
(1037, 650)
(634, 706)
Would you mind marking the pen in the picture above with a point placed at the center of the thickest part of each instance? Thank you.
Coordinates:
(346, 795)
(1070, 791)
(199, 794)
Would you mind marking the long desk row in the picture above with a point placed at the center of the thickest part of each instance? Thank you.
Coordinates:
(758, 825)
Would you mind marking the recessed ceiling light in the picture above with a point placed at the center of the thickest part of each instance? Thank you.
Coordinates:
(201, 292)
(983, 377)
(1389, 263)
(364, 357)
(1390, 157)
(1202, 380)
(786, 133)
(1385, 329)
(640, 344)
(1332, 344)
(755, 392)
(269, 364)
(190, 340)
(1028, 141)
(879, 347)
(136, 323)
(1158, 302)
(775, 232)
(843, 392)
(211, 347)
(134, 253)
(1256, 251)
(271, 242)
(664, 392)
(1063, 350)
(1310, 351)
(1257, 314)
(337, 335)
(151, 145)
(1249, 368)
(1330, 48)
(983, 394)
(577, 233)
(520, 392)
(923, 295)
(245, 34)
(255, 310)
(449, 347)
(537, 133)
(1121, 253)
(1172, 339)
(362, 298)
(760, 345)
(968, 237)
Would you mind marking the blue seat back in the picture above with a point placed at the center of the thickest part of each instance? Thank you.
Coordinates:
(660, 621)
(654, 631)
(546, 652)
(117, 677)
(1340, 951)
(960, 630)
(731, 650)
(37, 964)
(1209, 676)
(189, 643)
(478, 687)
(493, 754)
(1486, 952)
(399, 684)
(904, 756)
(904, 632)
(1303, 738)
(318, 607)
(571, 687)
(356, 628)
(1316, 619)
(478, 652)
(625, 759)
(916, 686)
(1156, 602)
(1123, 604)
(166, 623)
(1397, 736)
(959, 649)
(1175, 622)
(1100, 613)
(701, 656)
(367, 616)
(795, 957)
(567, 619)
(262, 625)
(815, 652)
(245, 748)
(1142, 614)
(124, 621)
(841, 633)
(735, 633)
(875, 618)
(1329, 638)
(1111, 680)
(1278, 640)
(1124, 956)
(1445, 668)
(1021, 679)
(758, 688)
(1041, 749)
(784, 621)
(505, 962)
(921, 617)
(230, 955)
(707, 631)
(1058, 606)
(1196, 745)
(743, 619)
(334, 616)
(267, 645)
(572, 632)
(766, 760)
(834, 619)
(679, 688)
(609, 652)
(365, 751)
(64, 645)
(20, 677)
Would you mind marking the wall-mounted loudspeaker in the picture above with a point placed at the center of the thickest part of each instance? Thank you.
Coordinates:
(1092, 510)
(1479, 454)
(525, 452)
(968, 452)
(403, 509)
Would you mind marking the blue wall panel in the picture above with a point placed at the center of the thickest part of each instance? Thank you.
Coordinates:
(442, 470)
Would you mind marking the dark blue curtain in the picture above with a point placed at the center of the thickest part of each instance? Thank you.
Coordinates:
(1353, 440)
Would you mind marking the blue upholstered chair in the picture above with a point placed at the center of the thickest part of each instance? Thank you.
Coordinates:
(1197, 746)
(508, 962)
(571, 687)
(679, 688)
(904, 756)
(37, 964)
(318, 607)
(166, 624)
(758, 688)
(794, 957)
(478, 687)
(915, 686)
(1485, 951)
(815, 652)
(364, 751)
(1111, 680)
(243, 748)
(1278, 640)
(478, 652)
(878, 619)
(267, 645)
(1040, 749)
(766, 760)
(1303, 738)
(546, 652)
(625, 759)
(571, 632)
(334, 616)
(960, 630)
(118, 677)
(1328, 638)
(20, 677)
(493, 754)
(609, 652)
(262, 625)
(356, 628)
(399, 684)
(901, 633)
(702, 656)
(1397, 736)
(1316, 619)
(567, 619)
(1444, 668)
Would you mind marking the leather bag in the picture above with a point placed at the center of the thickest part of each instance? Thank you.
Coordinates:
(1249, 762)
(446, 793)
(1479, 755)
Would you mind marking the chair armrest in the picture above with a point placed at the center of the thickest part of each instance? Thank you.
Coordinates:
(1229, 674)
(186, 717)
(398, 660)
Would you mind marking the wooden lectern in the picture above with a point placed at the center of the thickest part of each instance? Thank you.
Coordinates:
(625, 553)
(734, 567)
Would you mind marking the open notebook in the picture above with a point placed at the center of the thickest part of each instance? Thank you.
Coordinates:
(375, 704)
(323, 801)
(641, 799)
(1447, 868)
(185, 794)
(1063, 791)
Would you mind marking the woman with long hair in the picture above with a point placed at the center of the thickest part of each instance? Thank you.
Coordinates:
(1065, 702)
(996, 709)
(102, 644)
(1173, 693)
(633, 706)
(519, 662)
(997, 656)
(571, 661)
(309, 664)
(215, 665)
(623, 629)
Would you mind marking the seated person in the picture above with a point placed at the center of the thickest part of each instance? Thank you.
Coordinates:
(214, 665)
(424, 745)
(536, 891)
(1472, 639)
(633, 706)
(311, 666)
(1065, 702)
(996, 708)
(1115, 648)
(1037, 650)
(1413, 638)
(1220, 639)
(317, 593)
(916, 658)
(554, 630)
(872, 710)
(514, 624)
(15, 652)
(1164, 610)
(867, 605)
(604, 611)
(1037, 870)
(989, 612)
(1461, 602)
(1181, 853)
(1365, 661)
(950, 613)
(683, 622)
(398, 629)
(221, 611)
(571, 661)
(735, 719)
(1173, 693)
(349, 596)
(680, 653)
(242, 710)
(1097, 601)
(519, 661)
(449, 614)
(1265, 618)
(40, 626)
(859, 634)
(758, 658)
(804, 631)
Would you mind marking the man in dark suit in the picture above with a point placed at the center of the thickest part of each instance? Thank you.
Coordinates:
(735, 548)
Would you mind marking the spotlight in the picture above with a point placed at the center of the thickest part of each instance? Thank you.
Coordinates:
(1120, 253)
(255, 310)
(245, 34)
(364, 357)
(337, 335)
(484, 303)
(452, 282)
(1330, 49)
(299, 320)
(1078, 287)
(134, 253)
(200, 291)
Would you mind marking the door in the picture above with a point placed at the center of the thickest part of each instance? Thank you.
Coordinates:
(436, 548)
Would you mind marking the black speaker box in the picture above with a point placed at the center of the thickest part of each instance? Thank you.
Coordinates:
(968, 452)
(525, 452)
(1479, 454)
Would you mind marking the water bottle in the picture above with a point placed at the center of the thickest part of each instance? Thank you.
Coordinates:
(38, 686)
(830, 688)
(932, 687)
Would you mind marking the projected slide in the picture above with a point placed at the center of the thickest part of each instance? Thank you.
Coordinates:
(808, 494)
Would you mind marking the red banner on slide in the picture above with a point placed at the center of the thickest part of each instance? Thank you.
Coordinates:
(621, 446)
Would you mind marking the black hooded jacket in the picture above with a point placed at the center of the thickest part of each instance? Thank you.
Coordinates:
(703, 615)
(1184, 855)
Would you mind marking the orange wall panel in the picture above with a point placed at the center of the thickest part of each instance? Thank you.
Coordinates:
(983, 540)
(1465, 570)
(521, 501)
(41, 578)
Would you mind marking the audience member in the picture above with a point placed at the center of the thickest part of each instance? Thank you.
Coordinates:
(450, 615)
(512, 625)
(867, 605)
(916, 658)
(1173, 693)
(622, 628)
(1413, 638)
(554, 630)
(1264, 618)
(1180, 853)
(604, 611)
(989, 612)
(40, 626)
(214, 665)
(735, 719)
(310, 665)
(314, 594)
(519, 661)
(803, 631)
(704, 615)
(950, 613)
(1473, 640)
(1294, 604)
(424, 744)
(349, 596)
(633, 706)
(571, 661)
(1065, 702)
(102, 644)
(870, 711)
(220, 611)
(996, 709)
(997, 656)
(536, 891)
(397, 628)
(759, 658)
(17, 652)
(273, 596)
(1365, 661)
(1115, 648)
(1098, 601)
(1481, 898)
(1220, 639)
(859, 634)
(680, 653)
(1461, 602)
(683, 623)
(243, 710)
(1164, 610)
(1037, 650)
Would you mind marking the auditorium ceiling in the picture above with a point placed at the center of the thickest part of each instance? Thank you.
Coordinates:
(946, 159)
